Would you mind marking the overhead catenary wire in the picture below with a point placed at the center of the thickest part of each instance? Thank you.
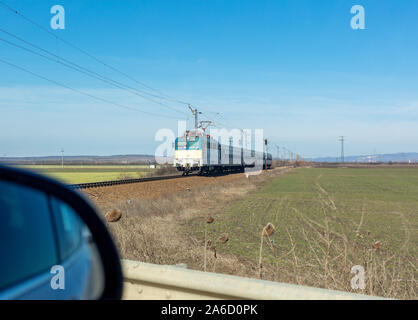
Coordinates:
(83, 92)
(159, 94)
(77, 67)
(162, 95)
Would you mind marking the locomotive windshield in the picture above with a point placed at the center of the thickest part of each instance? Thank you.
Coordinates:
(181, 144)
(194, 144)
(191, 143)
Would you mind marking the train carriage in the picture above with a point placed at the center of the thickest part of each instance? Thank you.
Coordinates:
(198, 151)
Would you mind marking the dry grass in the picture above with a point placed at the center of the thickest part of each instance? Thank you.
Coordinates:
(163, 170)
(316, 251)
(331, 256)
(156, 230)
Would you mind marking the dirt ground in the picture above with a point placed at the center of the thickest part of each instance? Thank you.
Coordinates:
(113, 195)
(156, 216)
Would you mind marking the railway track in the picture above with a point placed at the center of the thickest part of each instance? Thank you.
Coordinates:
(124, 181)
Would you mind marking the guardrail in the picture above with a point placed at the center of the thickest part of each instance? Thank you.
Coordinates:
(144, 281)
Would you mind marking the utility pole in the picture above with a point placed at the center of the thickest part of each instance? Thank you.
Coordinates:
(342, 148)
(195, 113)
(62, 158)
(265, 154)
(278, 152)
(284, 154)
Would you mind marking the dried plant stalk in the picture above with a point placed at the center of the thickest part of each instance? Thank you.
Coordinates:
(204, 261)
(268, 230)
(223, 238)
(209, 219)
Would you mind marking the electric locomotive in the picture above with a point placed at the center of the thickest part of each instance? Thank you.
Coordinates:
(198, 151)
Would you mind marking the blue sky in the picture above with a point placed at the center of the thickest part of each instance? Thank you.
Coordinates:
(293, 68)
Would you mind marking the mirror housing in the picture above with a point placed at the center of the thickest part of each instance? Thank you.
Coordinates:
(106, 248)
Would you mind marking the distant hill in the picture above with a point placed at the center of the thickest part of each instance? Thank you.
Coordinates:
(389, 157)
(146, 159)
(85, 160)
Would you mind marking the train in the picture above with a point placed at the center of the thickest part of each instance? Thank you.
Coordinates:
(197, 151)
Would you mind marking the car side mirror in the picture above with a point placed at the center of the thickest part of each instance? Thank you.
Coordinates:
(53, 245)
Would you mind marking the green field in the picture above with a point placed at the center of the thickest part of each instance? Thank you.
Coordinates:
(90, 173)
(328, 220)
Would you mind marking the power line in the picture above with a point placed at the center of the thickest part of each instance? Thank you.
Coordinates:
(81, 69)
(160, 94)
(214, 121)
(88, 54)
(76, 67)
(82, 92)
